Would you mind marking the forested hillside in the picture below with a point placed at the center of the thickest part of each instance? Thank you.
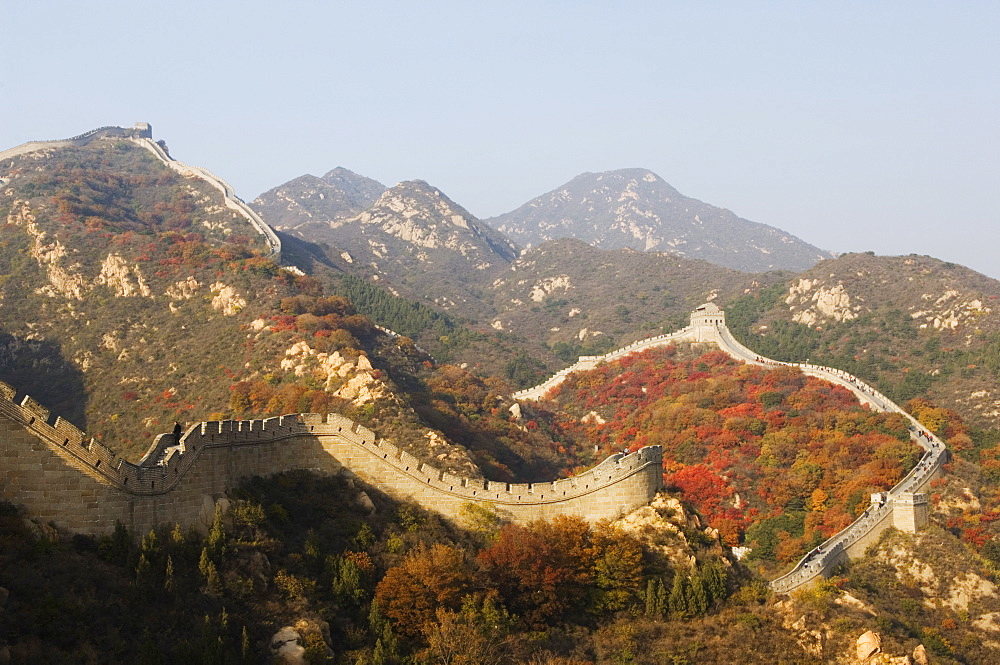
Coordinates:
(912, 325)
(772, 459)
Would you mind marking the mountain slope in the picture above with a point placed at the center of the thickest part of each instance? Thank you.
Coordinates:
(578, 298)
(308, 200)
(635, 208)
(124, 288)
(418, 241)
(913, 325)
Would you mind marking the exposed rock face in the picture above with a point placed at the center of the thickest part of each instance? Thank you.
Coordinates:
(65, 282)
(635, 208)
(362, 388)
(424, 218)
(185, 289)
(98, 297)
(548, 285)
(354, 380)
(955, 593)
(286, 648)
(660, 526)
(868, 645)
(949, 310)
(116, 274)
(812, 303)
(417, 240)
(226, 299)
(287, 644)
(925, 310)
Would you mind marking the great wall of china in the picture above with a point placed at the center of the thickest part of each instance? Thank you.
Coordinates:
(59, 475)
(142, 135)
(903, 507)
(53, 470)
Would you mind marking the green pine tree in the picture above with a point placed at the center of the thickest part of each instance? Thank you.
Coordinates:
(678, 600)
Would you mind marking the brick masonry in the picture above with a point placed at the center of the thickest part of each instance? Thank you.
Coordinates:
(60, 476)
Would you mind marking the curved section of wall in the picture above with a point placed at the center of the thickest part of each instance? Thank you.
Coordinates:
(58, 474)
(142, 136)
(590, 362)
(903, 506)
(232, 201)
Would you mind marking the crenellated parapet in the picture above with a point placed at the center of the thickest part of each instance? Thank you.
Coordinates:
(142, 135)
(58, 473)
(707, 323)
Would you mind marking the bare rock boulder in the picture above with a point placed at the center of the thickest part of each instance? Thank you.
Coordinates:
(868, 645)
(286, 647)
(365, 503)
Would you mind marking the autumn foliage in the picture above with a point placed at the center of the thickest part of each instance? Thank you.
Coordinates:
(772, 458)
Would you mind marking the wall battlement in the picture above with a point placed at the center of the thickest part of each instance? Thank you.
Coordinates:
(57, 473)
(903, 507)
(142, 135)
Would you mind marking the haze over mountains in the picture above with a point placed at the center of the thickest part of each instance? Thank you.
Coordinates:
(628, 208)
(635, 208)
(568, 297)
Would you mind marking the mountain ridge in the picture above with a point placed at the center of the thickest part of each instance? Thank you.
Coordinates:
(336, 195)
(636, 208)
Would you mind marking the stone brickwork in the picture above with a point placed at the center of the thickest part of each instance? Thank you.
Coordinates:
(57, 474)
(706, 321)
(142, 135)
(910, 511)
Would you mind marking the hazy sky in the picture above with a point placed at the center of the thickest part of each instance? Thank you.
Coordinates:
(853, 125)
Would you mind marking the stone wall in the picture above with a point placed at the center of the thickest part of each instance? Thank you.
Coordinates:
(905, 506)
(59, 475)
(232, 201)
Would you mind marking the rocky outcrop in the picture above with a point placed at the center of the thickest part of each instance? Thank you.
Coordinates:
(812, 303)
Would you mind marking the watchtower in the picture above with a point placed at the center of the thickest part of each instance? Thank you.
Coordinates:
(910, 512)
(706, 321)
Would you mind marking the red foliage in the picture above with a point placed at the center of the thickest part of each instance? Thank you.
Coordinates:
(771, 435)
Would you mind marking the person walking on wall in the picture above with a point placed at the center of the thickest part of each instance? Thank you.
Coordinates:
(177, 433)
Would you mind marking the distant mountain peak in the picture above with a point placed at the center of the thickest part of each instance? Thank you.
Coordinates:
(636, 208)
(306, 200)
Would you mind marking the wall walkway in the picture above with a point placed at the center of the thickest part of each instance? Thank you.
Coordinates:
(585, 363)
(902, 507)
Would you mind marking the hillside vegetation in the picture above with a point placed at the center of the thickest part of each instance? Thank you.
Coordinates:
(772, 459)
(131, 297)
(914, 326)
(124, 287)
